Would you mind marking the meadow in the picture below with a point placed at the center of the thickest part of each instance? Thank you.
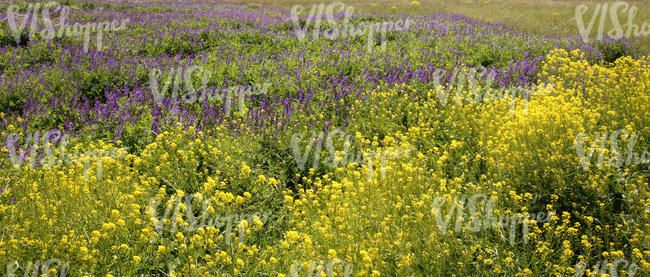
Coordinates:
(305, 138)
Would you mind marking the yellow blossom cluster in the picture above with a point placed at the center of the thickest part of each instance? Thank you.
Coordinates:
(195, 204)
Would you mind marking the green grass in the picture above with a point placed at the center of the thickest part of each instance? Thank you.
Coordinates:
(542, 17)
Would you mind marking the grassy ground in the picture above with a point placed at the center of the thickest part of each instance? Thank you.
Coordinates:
(539, 16)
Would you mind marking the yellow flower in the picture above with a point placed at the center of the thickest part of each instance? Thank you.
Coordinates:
(331, 254)
(108, 226)
(292, 236)
(415, 3)
(245, 170)
(239, 199)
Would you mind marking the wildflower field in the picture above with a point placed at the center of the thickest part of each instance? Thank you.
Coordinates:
(206, 138)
